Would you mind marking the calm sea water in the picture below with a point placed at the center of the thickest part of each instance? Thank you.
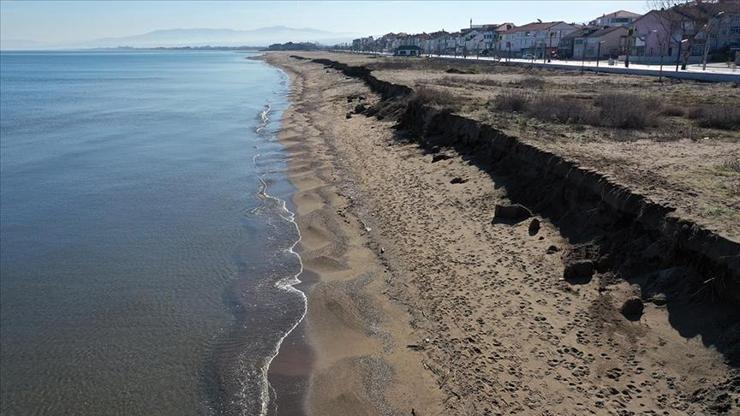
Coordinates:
(145, 254)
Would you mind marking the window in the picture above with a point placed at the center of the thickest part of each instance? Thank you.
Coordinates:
(735, 29)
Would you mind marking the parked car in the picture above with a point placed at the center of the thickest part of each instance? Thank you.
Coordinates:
(528, 56)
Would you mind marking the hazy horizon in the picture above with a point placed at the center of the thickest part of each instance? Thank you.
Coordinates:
(43, 23)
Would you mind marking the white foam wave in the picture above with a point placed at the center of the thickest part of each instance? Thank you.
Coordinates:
(287, 283)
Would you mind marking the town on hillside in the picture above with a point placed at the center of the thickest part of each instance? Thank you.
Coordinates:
(689, 33)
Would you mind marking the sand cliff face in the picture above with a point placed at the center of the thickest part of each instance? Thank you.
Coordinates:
(424, 305)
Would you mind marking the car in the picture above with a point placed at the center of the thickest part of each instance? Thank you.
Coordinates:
(528, 56)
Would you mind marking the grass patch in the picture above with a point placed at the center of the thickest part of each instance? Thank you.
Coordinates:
(530, 83)
(435, 96)
(726, 117)
(717, 211)
(511, 101)
(672, 111)
(563, 110)
(611, 110)
(731, 164)
(627, 111)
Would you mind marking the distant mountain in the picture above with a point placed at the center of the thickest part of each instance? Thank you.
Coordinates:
(198, 37)
(6, 44)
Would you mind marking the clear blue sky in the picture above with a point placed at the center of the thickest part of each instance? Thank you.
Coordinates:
(64, 21)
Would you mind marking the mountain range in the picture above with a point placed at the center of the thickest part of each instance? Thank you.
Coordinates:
(194, 37)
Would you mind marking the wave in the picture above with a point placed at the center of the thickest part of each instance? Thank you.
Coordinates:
(287, 283)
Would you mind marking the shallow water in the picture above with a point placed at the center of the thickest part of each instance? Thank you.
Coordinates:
(146, 249)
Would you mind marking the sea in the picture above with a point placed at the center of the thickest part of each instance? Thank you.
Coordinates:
(147, 262)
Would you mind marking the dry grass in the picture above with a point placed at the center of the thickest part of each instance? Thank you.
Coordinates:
(435, 96)
(530, 83)
(611, 109)
(672, 111)
(731, 164)
(511, 101)
(627, 111)
(725, 117)
(454, 81)
(551, 107)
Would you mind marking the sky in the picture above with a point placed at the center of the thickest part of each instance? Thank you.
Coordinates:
(70, 21)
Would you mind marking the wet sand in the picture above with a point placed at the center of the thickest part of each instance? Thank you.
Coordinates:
(422, 306)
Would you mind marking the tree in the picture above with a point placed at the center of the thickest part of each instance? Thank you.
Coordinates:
(683, 20)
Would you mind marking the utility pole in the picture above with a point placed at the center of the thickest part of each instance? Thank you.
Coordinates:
(678, 56)
(707, 36)
(544, 52)
(629, 46)
(583, 55)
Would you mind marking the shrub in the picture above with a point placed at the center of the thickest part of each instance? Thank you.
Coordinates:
(511, 101)
(564, 110)
(672, 111)
(627, 110)
(434, 96)
(530, 82)
(488, 82)
(716, 116)
(731, 164)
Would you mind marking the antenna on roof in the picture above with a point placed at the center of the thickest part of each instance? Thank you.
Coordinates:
(539, 20)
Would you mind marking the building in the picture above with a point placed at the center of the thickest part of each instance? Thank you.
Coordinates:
(602, 43)
(407, 50)
(690, 27)
(492, 36)
(618, 18)
(438, 43)
(535, 38)
(566, 46)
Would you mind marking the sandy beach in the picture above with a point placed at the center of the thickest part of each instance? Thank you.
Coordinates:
(420, 305)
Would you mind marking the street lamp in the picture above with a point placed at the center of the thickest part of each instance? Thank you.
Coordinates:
(583, 54)
(707, 33)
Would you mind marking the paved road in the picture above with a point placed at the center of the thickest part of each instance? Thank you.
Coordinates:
(717, 72)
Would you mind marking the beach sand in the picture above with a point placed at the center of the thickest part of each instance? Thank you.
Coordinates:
(422, 306)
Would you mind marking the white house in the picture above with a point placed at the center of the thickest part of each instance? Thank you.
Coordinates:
(618, 18)
(408, 50)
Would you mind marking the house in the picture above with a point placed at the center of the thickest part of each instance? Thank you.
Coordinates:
(566, 46)
(535, 38)
(437, 42)
(602, 43)
(473, 41)
(618, 18)
(659, 33)
(407, 50)
(491, 41)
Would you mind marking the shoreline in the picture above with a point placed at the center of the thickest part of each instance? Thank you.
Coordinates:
(422, 306)
(334, 251)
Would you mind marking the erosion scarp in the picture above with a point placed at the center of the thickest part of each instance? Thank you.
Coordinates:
(614, 230)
